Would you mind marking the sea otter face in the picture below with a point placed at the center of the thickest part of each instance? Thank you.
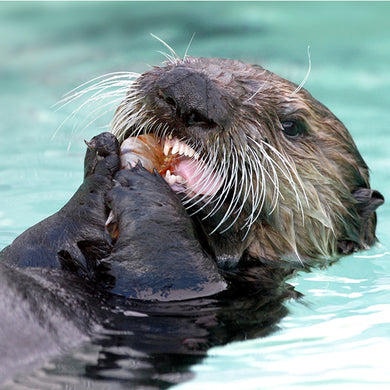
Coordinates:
(264, 168)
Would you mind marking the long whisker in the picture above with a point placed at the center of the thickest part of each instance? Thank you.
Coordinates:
(300, 86)
(188, 46)
(173, 58)
(109, 88)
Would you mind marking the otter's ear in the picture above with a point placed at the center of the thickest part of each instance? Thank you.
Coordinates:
(367, 201)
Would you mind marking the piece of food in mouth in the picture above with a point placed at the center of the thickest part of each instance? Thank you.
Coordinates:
(178, 163)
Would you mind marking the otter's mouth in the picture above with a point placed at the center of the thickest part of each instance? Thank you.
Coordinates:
(177, 162)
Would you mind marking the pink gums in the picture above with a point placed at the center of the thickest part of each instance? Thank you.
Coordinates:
(199, 179)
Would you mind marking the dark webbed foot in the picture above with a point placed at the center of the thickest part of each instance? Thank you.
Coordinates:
(156, 254)
(81, 219)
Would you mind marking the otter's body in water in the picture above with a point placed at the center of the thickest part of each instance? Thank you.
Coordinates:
(256, 172)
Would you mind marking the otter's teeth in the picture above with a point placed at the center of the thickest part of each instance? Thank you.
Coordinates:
(173, 179)
(189, 152)
(167, 148)
(175, 148)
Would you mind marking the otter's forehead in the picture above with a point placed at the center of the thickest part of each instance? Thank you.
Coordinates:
(236, 77)
(224, 69)
(239, 83)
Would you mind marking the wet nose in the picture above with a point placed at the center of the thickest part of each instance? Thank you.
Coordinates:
(194, 97)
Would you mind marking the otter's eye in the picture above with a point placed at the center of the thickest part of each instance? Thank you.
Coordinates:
(293, 129)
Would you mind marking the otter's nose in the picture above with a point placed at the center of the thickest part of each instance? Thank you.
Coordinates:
(195, 98)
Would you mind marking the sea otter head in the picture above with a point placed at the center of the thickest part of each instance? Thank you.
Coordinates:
(264, 168)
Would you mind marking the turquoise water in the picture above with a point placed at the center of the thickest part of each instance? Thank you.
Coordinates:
(339, 336)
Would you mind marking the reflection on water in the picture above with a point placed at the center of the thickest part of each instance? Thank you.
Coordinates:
(153, 345)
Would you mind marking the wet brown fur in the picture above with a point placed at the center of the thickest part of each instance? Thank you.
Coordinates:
(319, 212)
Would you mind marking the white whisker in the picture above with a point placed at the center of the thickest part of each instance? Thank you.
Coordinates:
(109, 88)
(173, 58)
(300, 86)
(188, 47)
(262, 86)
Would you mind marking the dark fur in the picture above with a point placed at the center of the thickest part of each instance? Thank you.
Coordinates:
(65, 277)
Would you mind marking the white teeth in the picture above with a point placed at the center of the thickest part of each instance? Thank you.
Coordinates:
(167, 148)
(177, 147)
(173, 179)
(189, 152)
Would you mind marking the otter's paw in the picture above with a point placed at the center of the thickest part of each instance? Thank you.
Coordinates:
(55, 241)
(142, 199)
(156, 254)
(102, 156)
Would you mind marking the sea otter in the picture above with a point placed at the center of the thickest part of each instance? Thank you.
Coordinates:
(217, 177)
(265, 169)
(264, 172)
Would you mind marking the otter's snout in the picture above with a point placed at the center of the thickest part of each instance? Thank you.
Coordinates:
(194, 98)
